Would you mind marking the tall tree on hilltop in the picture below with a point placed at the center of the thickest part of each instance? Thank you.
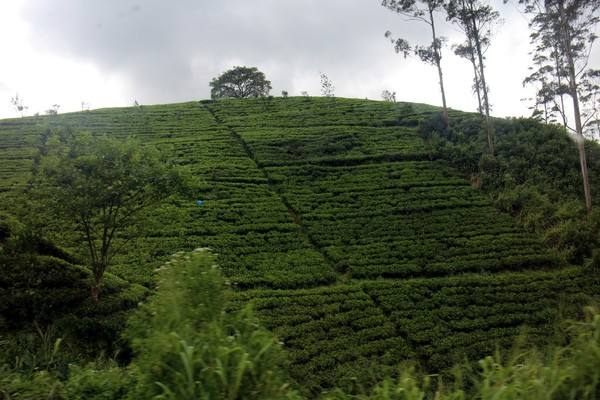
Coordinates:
(550, 86)
(476, 20)
(563, 34)
(422, 11)
(466, 51)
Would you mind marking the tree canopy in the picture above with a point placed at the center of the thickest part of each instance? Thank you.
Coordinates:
(240, 82)
(99, 186)
(563, 32)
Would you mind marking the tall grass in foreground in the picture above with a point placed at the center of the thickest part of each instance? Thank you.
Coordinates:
(188, 347)
(562, 373)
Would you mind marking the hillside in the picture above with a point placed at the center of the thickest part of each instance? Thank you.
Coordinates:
(358, 243)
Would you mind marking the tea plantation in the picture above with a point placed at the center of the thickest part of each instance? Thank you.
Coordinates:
(358, 244)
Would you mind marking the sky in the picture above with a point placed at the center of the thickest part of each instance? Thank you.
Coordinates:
(109, 53)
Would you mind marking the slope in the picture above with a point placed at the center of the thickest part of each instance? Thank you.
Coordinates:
(358, 246)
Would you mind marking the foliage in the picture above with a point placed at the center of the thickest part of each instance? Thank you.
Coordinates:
(53, 110)
(91, 382)
(476, 19)
(240, 82)
(386, 95)
(422, 11)
(18, 105)
(327, 215)
(101, 185)
(550, 23)
(563, 372)
(42, 288)
(527, 180)
(563, 33)
(327, 88)
(569, 372)
(188, 348)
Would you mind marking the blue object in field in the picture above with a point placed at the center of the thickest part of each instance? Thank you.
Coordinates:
(200, 202)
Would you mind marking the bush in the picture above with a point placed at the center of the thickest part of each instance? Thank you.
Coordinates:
(188, 347)
(98, 383)
(40, 385)
(88, 383)
(38, 288)
(569, 372)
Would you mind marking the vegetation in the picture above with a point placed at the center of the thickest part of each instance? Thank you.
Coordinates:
(327, 88)
(188, 347)
(101, 185)
(527, 181)
(476, 21)
(422, 11)
(386, 95)
(352, 230)
(563, 33)
(18, 104)
(240, 82)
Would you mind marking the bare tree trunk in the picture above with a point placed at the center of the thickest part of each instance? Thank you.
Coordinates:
(438, 62)
(98, 270)
(475, 73)
(580, 138)
(95, 291)
(486, 102)
(477, 84)
(562, 112)
(566, 38)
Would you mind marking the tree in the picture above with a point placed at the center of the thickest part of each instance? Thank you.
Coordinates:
(550, 88)
(53, 110)
(422, 11)
(327, 88)
(476, 20)
(563, 32)
(17, 103)
(240, 82)
(386, 95)
(99, 186)
(466, 51)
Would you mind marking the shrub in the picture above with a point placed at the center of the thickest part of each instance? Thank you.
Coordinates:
(94, 382)
(188, 347)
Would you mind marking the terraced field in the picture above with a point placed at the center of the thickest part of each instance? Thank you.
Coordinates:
(357, 246)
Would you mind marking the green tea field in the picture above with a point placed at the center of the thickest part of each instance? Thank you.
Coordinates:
(358, 245)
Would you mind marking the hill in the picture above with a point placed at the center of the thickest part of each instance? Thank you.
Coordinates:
(347, 223)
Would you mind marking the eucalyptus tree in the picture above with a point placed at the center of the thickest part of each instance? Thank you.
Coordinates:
(421, 11)
(477, 20)
(563, 32)
(550, 88)
(465, 50)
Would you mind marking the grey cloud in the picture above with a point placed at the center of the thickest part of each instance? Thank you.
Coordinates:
(169, 50)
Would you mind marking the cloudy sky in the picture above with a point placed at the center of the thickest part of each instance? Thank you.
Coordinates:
(112, 52)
